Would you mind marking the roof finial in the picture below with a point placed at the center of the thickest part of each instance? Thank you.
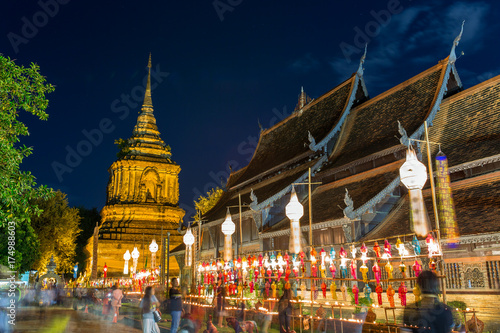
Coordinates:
(147, 96)
(303, 99)
(453, 56)
(362, 61)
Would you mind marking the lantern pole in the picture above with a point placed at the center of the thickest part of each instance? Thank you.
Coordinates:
(239, 242)
(434, 203)
(309, 184)
(433, 189)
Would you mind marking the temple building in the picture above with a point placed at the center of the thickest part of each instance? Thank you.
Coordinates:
(352, 146)
(142, 198)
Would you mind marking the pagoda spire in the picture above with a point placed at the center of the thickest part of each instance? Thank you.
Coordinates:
(303, 100)
(148, 102)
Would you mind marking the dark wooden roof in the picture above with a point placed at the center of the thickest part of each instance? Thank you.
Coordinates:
(262, 190)
(372, 126)
(326, 199)
(476, 200)
(468, 124)
(289, 138)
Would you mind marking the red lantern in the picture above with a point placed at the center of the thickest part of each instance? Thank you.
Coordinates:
(105, 269)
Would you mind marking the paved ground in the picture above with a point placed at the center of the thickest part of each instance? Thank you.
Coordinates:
(54, 320)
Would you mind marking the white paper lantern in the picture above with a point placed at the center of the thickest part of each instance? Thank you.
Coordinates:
(126, 256)
(135, 253)
(413, 173)
(188, 238)
(153, 247)
(294, 209)
(228, 227)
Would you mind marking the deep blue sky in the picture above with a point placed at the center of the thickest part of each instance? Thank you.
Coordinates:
(223, 74)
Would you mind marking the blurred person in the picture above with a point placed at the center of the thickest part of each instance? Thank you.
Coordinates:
(429, 315)
(220, 294)
(187, 325)
(285, 311)
(149, 304)
(106, 304)
(4, 312)
(116, 299)
(175, 305)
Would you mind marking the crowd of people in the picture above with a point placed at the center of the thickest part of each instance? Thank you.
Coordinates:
(429, 312)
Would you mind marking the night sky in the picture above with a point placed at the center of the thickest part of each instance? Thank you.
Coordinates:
(221, 67)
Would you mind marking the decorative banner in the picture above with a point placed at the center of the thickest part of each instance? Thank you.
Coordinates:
(95, 252)
(447, 215)
(189, 255)
(228, 247)
(419, 221)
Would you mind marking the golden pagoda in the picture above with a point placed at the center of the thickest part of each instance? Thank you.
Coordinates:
(142, 197)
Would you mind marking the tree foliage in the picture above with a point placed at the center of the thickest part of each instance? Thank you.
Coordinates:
(26, 247)
(57, 228)
(21, 89)
(205, 203)
(124, 146)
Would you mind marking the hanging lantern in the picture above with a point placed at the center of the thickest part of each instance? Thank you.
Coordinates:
(189, 241)
(153, 247)
(413, 175)
(135, 256)
(126, 257)
(228, 229)
(294, 211)
(105, 270)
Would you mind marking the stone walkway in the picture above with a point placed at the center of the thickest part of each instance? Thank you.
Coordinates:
(56, 320)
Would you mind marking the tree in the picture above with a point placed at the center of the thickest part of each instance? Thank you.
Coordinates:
(21, 89)
(205, 203)
(26, 252)
(57, 228)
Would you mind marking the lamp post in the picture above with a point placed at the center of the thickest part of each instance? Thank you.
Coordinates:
(228, 229)
(135, 256)
(153, 247)
(414, 176)
(126, 257)
(294, 211)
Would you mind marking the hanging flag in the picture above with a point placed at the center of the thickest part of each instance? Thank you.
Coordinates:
(447, 216)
